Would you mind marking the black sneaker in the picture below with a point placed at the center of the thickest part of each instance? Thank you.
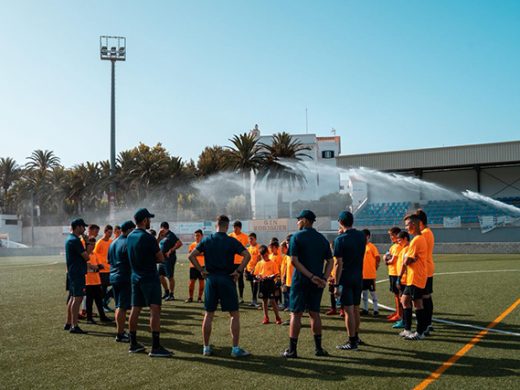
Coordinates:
(160, 352)
(77, 330)
(289, 354)
(348, 346)
(123, 338)
(360, 342)
(363, 312)
(376, 314)
(136, 348)
(91, 321)
(166, 295)
(67, 326)
(321, 352)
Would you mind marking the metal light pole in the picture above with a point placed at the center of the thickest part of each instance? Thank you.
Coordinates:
(117, 52)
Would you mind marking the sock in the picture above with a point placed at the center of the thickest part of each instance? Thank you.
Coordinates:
(133, 337)
(352, 340)
(365, 299)
(428, 309)
(374, 300)
(357, 337)
(420, 320)
(166, 292)
(397, 305)
(293, 343)
(332, 302)
(155, 340)
(206, 348)
(407, 317)
(317, 341)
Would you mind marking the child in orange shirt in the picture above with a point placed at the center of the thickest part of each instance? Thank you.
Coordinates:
(93, 289)
(370, 266)
(194, 273)
(266, 271)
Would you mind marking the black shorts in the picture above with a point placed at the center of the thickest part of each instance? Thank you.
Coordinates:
(249, 276)
(167, 268)
(351, 293)
(267, 289)
(105, 278)
(195, 274)
(305, 295)
(393, 287)
(414, 292)
(369, 284)
(428, 289)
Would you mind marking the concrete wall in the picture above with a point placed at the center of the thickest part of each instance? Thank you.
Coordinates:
(45, 236)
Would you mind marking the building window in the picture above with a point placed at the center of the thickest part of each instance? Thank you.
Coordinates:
(11, 222)
(327, 154)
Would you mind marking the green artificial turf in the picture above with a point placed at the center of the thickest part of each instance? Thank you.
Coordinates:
(36, 352)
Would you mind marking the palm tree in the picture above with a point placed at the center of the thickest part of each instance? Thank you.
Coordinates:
(245, 157)
(281, 163)
(9, 173)
(38, 169)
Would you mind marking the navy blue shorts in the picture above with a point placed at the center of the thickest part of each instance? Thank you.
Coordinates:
(122, 295)
(146, 293)
(167, 268)
(77, 286)
(351, 293)
(305, 295)
(220, 288)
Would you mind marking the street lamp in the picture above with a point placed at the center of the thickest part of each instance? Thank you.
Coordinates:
(112, 49)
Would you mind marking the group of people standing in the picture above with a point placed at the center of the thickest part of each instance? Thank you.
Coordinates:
(295, 271)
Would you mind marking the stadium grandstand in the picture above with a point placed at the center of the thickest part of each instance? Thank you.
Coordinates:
(492, 170)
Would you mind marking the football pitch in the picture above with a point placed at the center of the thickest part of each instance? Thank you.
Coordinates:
(470, 290)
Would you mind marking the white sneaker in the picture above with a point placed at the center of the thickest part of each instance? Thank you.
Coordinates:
(405, 333)
(414, 336)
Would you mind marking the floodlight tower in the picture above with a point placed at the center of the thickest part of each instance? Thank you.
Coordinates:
(112, 49)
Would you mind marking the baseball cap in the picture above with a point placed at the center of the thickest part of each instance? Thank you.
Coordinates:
(142, 214)
(77, 222)
(127, 225)
(307, 214)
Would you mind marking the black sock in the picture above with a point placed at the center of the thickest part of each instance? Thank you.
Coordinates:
(317, 341)
(332, 302)
(155, 340)
(352, 339)
(407, 317)
(357, 337)
(428, 309)
(293, 342)
(133, 337)
(166, 292)
(420, 320)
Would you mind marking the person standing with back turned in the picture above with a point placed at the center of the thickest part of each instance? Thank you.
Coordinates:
(308, 250)
(144, 254)
(349, 251)
(221, 275)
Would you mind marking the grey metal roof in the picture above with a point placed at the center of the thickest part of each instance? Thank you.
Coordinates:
(445, 157)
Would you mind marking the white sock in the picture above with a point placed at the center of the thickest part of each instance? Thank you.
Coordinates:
(365, 299)
(373, 295)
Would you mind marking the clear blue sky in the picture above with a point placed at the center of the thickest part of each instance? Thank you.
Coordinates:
(386, 75)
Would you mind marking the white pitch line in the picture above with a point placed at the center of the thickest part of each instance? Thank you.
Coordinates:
(460, 323)
(465, 272)
(28, 265)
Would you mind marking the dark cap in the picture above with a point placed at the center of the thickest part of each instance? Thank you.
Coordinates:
(127, 225)
(141, 214)
(307, 214)
(78, 222)
(346, 218)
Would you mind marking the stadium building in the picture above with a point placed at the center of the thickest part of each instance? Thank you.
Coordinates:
(492, 170)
